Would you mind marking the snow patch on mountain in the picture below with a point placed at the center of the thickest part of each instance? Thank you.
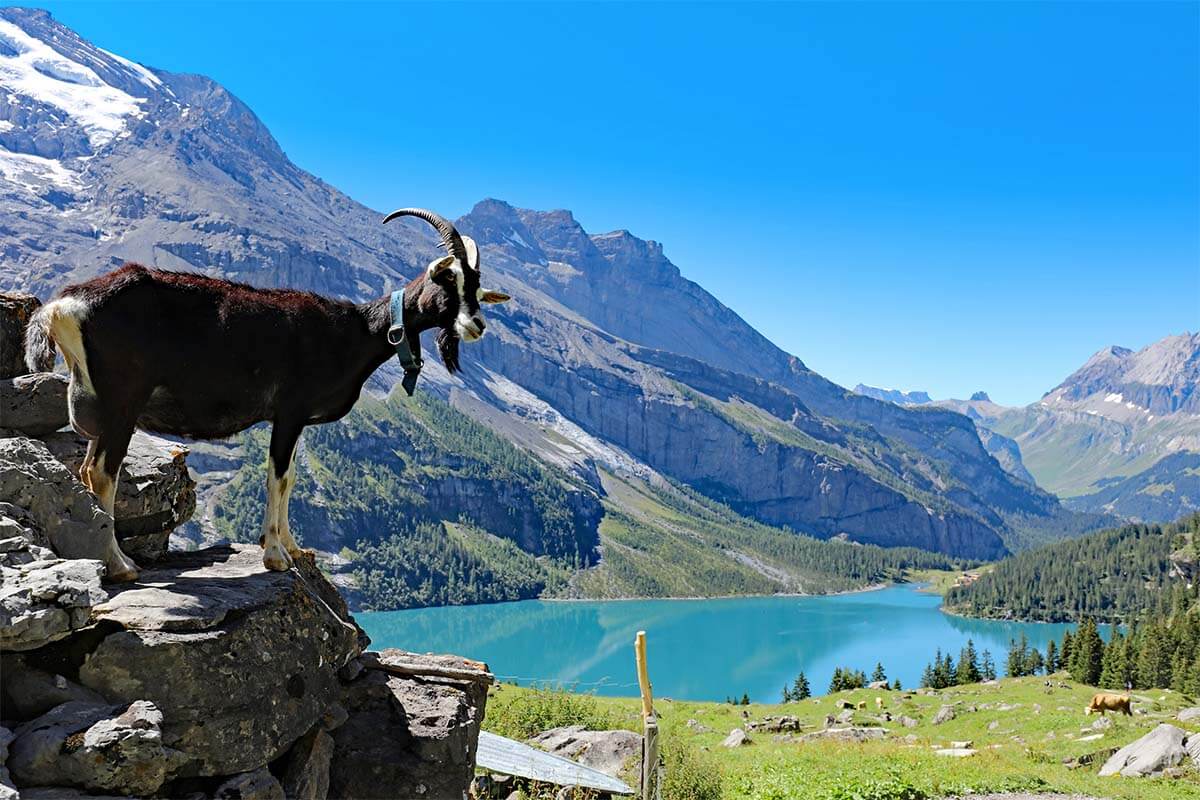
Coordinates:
(35, 70)
(34, 173)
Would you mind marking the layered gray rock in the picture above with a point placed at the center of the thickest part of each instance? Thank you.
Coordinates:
(615, 753)
(8, 791)
(43, 601)
(95, 747)
(15, 310)
(34, 405)
(257, 784)
(409, 735)
(1150, 755)
(202, 619)
(66, 514)
(155, 492)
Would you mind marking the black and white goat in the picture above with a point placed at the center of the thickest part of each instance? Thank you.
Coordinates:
(189, 355)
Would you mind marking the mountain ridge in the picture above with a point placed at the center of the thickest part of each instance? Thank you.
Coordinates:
(607, 356)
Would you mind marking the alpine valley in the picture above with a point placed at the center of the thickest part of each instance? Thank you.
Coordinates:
(618, 432)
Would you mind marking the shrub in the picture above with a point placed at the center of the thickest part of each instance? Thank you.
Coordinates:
(690, 774)
(526, 713)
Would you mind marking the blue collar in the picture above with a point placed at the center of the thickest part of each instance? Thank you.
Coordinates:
(408, 348)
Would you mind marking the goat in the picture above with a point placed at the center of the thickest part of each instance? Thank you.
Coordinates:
(189, 355)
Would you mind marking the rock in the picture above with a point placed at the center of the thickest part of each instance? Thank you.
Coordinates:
(736, 738)
(30, 692)
(43, 601)
(848, 734)
(8, 791)
(242, 661)
(964, 745)
(955, 752)
(1150, 755)
(1102, 724)
(408, 736)
(612, 752)
(1192, 745)
(155, 492)
(66, 515)
(1189, 714)
(34, 405)
(1090, 738)
(785, 722)
(879, 685)
(944, 714)
(257, 784)
(307, 773)
(844, 717)
(908, 722)
(15, 310)
(991, 726)
(95, 747)
(698, 727)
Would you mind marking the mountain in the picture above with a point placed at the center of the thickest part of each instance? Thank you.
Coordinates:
(894, 395)
(607, 365)
(1119, 415)
(1167, 490)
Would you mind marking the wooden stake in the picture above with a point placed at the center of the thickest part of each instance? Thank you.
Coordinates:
(649, 783)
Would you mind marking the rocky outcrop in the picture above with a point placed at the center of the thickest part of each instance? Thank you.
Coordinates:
(155, 492)
(34, 404)
(1160, 749)
(617, 753)
(15, 310)
(45, 600)
(409, 733)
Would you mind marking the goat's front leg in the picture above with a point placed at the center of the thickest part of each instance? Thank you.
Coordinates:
(279, 548)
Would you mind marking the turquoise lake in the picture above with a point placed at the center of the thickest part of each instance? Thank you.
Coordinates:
(702, 649)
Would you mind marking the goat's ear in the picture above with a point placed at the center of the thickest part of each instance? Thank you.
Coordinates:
(492, 296)
(438, 266)
(472, 253)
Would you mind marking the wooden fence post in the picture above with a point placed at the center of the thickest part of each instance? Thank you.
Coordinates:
(649, 783)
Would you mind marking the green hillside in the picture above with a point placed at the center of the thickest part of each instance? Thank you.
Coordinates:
(1116, 575)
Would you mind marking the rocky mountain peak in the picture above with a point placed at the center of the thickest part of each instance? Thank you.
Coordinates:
(1161, 378)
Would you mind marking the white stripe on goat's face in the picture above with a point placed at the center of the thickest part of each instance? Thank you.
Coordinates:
(468, 319)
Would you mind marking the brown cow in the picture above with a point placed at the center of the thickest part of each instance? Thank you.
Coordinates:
(1103, 701)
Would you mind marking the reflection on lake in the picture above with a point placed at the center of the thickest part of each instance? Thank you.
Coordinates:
(702, 649)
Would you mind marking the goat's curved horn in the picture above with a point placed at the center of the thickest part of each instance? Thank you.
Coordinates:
(451, 240)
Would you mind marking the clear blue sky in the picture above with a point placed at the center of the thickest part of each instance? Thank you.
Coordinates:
(945, 197)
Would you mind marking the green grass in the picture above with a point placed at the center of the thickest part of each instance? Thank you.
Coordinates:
(1023, 750)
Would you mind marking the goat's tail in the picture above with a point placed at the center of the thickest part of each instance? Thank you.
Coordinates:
(39, 345)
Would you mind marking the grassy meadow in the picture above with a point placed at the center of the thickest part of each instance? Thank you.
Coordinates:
(1022, 730)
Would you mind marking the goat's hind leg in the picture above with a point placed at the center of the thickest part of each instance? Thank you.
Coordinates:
(103, 466)
(279, 548)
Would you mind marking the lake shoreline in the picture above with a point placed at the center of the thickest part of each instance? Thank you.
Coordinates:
(875, 587)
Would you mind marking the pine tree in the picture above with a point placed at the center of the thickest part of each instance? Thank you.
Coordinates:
(927, 678)
(787, 694)
(1034, 663)
(800, 688)
(987, 667)
(1114, 667)
(1065, 651)
(1087, 655)
(896, 685)
(745, 699)
(837, 682)
(1017, 652)
(968, 665)
(1052, 664)
(878, 674)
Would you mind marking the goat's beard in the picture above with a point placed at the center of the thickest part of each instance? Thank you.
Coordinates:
(447, 345)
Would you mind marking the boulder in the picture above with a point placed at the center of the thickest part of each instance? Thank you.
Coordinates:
(1150, 755)
(908, 722)
(848, 734)
(8, 790)
(43, 601)
(155, 492)
(34, 405)
(944, 714)
(15, 310)
(1189, 714)
(30, 692)
(65, 514)
(955, 752)
(409, 733)
(105, 748)
(844, 717)
(241, 661)
(736, 738)
(612, 752)
(307, 774)
(257, 784)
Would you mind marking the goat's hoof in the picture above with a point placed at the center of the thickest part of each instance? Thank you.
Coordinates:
(276, 559)
(123, 571)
